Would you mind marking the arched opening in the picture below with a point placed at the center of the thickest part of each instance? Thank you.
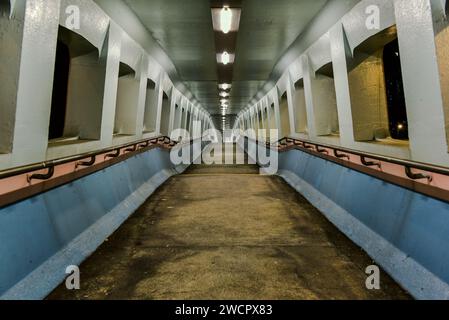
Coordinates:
(266, 120)
(59, 96)
(189, 120)
(78, 89)
(284, 115)
(165, 114)
(325, 101)
(127, 101)
(184, 119)
(149, 118)
(377, 95)
(5, 8)
(272, 117)
(300, 111)
(397, 113)
(178, 117)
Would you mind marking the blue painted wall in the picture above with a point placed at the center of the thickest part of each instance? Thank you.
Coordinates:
(41, 236)
(403, 231)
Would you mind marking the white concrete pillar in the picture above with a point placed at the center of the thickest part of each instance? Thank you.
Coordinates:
(263, 114)
(268, 112)
(277, 113)
(421, 81)
(142, 96)
(291, 103)
(34, 85)
(185, 124)
(339, 63)
(160, 96)
(308, 93)
(192, 119)
(256, 109)
(173, 100)
(201, 119)
(253, 121)
(181, 106)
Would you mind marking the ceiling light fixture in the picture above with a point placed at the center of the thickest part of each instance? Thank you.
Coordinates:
(225, 59)
(224, 101)
(226, 19)
(224, 94)
(224, 86)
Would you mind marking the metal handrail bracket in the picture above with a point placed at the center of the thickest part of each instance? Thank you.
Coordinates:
(370, 163)
(417, 176)
(89, 163)
(40, 176)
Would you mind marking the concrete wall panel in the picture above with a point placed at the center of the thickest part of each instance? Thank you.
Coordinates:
(41, 236)
(404, 232)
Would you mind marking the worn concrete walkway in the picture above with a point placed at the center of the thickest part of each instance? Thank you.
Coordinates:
(227, 233)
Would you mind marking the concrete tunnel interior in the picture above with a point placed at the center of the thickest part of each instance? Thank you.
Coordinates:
(224, 150)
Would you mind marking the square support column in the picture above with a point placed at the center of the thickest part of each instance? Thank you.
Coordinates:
(172, 110)
(308, 93)
(277, 113)
(421, 81)
(339, 62)
(160, 96)
(291, 103)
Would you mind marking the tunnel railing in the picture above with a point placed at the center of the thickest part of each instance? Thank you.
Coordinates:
(428, 179)
(128, 147)
(23, 182)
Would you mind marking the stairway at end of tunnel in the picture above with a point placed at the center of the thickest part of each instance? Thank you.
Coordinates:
(226, 232)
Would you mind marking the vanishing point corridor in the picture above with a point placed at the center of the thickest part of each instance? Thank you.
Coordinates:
(226, 232)
(115, 114)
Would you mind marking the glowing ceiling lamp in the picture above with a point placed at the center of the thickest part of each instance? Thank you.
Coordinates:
(224, 86)
(225, 58)
(224, 101)
(226, 19)
(224, 94)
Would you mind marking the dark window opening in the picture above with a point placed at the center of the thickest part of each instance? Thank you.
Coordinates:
(376, 89)
(284, 116)
(183, 118)
(78, 88)
(327, 70)
(177, 117)
(60, 88)
(189, 119)
(5, 7)
(125, 70)
(151, 85)
(299, 84)
(165, 114)
(397, 113)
